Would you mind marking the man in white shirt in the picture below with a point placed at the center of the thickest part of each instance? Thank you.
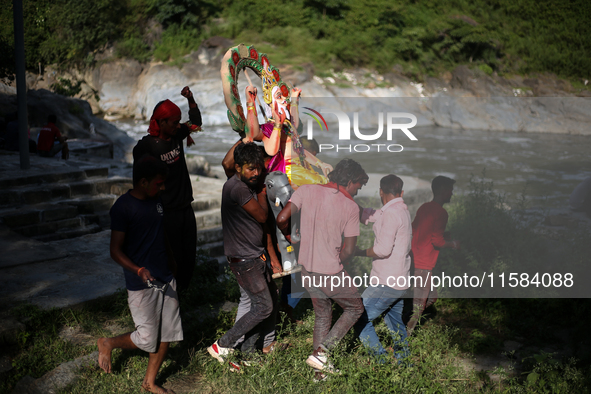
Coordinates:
(391, 265)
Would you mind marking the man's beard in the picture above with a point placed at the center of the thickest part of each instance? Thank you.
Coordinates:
(250, 182)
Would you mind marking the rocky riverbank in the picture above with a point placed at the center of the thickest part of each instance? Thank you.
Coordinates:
(463, 99)
(75, 118)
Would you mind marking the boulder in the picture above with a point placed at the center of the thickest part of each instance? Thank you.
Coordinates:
(74, 119)
(297, 77)
(476, 83)
(198, 165)
(116, 82)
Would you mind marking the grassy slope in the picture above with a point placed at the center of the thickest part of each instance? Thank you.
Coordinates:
(456, 331)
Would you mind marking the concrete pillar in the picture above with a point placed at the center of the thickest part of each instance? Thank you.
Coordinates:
(21, 83)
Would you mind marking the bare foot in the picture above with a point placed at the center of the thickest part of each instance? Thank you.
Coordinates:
(156, 389)
(104, 358)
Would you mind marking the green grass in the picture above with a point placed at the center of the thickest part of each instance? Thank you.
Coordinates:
(553, 333)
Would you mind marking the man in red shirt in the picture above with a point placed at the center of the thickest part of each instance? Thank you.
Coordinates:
(428, 239)
(47, 136)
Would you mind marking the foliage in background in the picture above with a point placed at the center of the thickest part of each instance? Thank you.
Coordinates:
(66, 87)
(8, 61)
(497, 237)
(64, 32)
(424, 38)
(190, 14)
(80, 30)
(493, 239)
(176, 43)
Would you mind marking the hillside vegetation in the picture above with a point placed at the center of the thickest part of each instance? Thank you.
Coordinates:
(423, 38)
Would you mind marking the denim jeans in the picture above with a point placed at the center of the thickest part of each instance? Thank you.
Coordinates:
(376, 301)
(254, 277)
(423, 297)
(267, 327)
(348, 298)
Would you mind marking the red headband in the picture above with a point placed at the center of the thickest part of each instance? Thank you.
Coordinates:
(166, 110)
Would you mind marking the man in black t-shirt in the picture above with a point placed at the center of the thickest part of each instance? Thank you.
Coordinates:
(243, 214)
(138, 245)
(165, 143)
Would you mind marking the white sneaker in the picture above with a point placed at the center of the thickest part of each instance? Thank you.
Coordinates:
(219, 352)
(321, 363)
(235, 367)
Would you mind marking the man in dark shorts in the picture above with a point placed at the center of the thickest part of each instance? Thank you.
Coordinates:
(328, 213)
(165, 143)
(244, 211)
(138, 245)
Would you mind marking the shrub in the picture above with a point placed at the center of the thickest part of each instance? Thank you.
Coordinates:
(133, 48)
(66, 87)
(485, 68)
(176, 43)
(493, 239)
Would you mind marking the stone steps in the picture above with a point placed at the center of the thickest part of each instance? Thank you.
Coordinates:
(207, 195)
(41, 193)
(102, 218)
(208, 219)
(210, 234)
(209, 223)
(54, 203)
(49, 227)
(75, 198)
(53, 175)
(91, 147)
(205, 202)
(92, 204)
(215, 249)
(28, 195)
(209, 231)
(33, 214)
(88, 214)
(69, 233)
(207, 199)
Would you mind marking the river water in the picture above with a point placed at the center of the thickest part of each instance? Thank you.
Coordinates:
(545, 167)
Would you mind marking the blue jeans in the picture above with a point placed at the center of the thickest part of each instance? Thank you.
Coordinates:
(376, 301)
(292, 290)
